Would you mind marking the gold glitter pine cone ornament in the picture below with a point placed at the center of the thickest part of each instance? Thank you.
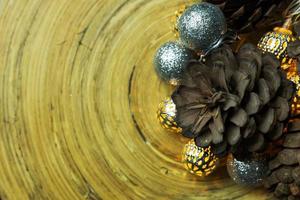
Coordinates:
(233, 101)
(166, 114)
(197, 160)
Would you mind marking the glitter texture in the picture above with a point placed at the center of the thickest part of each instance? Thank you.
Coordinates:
(170, 61)
(249, 172)
(202, 26)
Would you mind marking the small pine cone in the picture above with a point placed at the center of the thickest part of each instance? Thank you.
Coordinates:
(284, 178)
(233, 101)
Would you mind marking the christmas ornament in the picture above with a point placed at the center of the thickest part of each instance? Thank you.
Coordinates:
(170, 61)
(166, 115)
(284, 177)
(277, 41)
(201, 27)
(248, 171)
(233, 102)
(197, 160)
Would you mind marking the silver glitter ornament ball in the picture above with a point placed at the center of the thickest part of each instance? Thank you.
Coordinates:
(249, 171)
(171, 60)
(202, 26)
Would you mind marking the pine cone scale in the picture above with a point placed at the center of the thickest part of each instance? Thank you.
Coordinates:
(253, 104)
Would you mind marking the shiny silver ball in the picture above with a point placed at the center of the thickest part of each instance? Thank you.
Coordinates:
(171, 60)
(202, 26)
(248, 171)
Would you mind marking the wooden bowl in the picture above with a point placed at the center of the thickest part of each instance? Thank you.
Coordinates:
(78, 100)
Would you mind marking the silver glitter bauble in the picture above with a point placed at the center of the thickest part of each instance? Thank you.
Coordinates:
(202, 26)
(170, 61)
(249, 171)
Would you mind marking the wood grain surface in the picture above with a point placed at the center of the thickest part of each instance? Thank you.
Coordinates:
(78, 100)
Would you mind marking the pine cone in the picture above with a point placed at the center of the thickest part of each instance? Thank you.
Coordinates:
(284, 177)
(233, 100)
(246, 15)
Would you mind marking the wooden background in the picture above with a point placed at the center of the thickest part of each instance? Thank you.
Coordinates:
(78, 100)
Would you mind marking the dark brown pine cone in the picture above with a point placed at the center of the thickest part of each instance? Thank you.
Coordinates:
(247, 15)
(233, 101)
(284, 177)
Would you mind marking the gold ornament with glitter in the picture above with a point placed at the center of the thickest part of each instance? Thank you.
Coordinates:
(276, 43)
(197, 160)
(166, 115)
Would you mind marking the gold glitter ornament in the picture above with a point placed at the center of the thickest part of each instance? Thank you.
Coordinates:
(166, 115)
(197, 160)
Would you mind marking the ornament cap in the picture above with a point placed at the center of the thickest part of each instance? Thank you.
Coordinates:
(283, 30)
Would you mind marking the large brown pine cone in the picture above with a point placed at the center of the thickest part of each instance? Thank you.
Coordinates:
(248, 15)
(284, 177)
(233, 100)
